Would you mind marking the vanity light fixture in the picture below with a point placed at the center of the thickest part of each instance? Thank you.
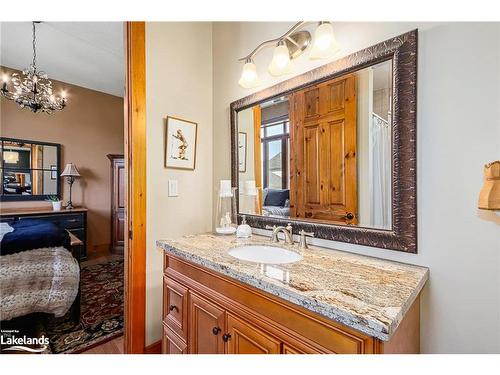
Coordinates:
(32, 88)
(249, 77)
(288, 47)
(324, 45)
(11, 157)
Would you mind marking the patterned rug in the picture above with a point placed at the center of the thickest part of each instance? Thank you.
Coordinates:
(101, 316)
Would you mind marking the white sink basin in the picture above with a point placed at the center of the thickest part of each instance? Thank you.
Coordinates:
(264, 254)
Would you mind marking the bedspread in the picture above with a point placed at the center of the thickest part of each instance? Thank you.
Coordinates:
(41, 280)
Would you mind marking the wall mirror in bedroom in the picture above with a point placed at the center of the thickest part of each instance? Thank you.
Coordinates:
(30, 169)
(333, 150)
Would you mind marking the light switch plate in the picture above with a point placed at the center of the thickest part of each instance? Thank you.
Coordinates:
(173, 190)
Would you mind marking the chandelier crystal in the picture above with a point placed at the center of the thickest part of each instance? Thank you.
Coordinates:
(32, 89)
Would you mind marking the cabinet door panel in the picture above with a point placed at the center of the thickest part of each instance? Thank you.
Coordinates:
(171, 343)
(247, 339)
(175, 306)
(206, 326)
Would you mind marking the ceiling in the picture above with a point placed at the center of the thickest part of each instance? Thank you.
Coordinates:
(86, 54)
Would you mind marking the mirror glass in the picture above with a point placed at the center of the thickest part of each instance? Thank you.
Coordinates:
(29, 170)
(322, 153)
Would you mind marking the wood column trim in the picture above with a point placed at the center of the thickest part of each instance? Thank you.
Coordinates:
(135, 166)
(257, 123)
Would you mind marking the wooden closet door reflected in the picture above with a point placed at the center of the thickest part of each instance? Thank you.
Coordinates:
(323, 183)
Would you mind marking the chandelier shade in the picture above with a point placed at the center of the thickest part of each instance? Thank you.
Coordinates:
(32, 88)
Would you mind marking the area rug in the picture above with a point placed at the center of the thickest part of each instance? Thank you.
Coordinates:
(101, 316)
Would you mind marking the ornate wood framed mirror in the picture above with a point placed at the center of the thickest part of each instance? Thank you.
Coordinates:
(333, 150)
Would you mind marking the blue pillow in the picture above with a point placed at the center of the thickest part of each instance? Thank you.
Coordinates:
(276, 197)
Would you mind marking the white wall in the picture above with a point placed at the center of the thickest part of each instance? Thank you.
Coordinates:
(458, 132)
(178, 83)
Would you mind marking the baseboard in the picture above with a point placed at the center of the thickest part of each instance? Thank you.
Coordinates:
(154, 348)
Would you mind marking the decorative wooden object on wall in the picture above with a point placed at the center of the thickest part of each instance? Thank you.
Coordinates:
(117, 203)
(403, 52)
(489, 197)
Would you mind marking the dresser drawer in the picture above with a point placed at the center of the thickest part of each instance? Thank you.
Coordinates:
(66, 221)
(175, 300)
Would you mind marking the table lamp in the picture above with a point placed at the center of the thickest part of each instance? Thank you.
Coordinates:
(70, 172)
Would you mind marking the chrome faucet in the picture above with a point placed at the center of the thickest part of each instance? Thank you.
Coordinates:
(287, 231)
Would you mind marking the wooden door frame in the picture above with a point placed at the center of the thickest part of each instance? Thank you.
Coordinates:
(135, 168)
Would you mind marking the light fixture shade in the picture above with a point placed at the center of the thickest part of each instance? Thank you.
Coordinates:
(70, 170)
(11, 157)
(249, 77)
(324, 44)
(281, 63)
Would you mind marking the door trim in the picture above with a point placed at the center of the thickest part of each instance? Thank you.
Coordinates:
(135, 167)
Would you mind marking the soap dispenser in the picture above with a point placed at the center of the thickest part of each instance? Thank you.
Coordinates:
(244, 230)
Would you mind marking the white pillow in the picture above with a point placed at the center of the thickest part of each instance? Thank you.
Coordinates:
(4, 229)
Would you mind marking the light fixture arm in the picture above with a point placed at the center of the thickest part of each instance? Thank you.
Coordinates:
(273, 42)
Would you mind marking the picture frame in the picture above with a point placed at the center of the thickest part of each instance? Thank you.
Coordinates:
(53, 172)
(180, 143)
(242, 152)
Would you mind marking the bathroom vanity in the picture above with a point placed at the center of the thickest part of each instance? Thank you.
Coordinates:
(327, 302)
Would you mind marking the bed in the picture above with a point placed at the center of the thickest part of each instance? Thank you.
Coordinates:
(38, 271)
(276, 203)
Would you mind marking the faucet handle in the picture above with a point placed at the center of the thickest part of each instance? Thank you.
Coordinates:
(303, 241)
(304, 233)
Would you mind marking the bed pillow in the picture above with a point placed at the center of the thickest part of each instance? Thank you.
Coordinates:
(276, 197)
(4, 229)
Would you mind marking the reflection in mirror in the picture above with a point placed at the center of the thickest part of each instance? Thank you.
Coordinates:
(322, 153)
(28, 169)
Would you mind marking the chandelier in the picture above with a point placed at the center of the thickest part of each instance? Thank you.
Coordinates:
(32, 89)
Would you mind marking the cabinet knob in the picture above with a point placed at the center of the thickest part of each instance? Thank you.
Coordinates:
(173, 307)
(216, 330)
(226, 337)
(349, 216)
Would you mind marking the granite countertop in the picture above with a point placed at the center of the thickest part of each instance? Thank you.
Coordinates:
(368, 294)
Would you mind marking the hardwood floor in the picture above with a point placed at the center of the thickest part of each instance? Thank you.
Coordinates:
(114, 346)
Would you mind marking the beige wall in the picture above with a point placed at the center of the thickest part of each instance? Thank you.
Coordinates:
(88, 129)
(458, 131)
(178, 83)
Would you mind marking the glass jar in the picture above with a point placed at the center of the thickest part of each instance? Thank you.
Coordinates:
(226, 220)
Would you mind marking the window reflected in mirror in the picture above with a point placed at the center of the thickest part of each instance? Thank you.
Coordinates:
(322, 153)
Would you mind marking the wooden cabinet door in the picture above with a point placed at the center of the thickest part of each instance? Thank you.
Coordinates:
(175, 300)
(171, 343)
(244, 338)
(323, 136)
(206, 326)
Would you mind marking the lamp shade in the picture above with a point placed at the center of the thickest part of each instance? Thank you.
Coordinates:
(281, 63)
(70, 170)
(324, 44)
(249, 77)
(11, 157)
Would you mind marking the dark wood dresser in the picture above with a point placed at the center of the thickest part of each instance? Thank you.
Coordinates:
(75, 220)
